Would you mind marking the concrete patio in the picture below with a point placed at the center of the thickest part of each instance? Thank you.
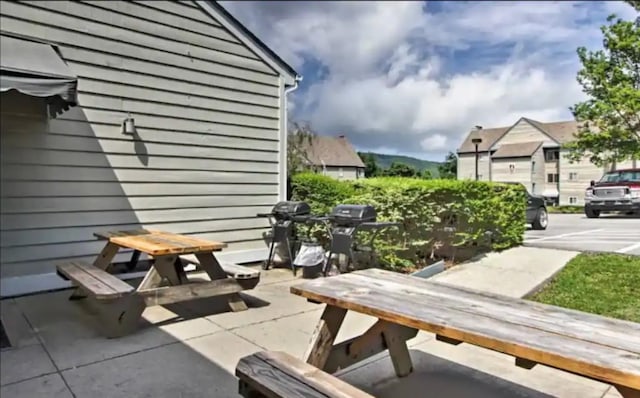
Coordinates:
(191, 349)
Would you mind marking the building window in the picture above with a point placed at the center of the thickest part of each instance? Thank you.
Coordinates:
(533, 167)
(533, 188)
(552, 155)
(573, 200)
(340, 172)
(552, 178)
(573, 176)
(512, 168)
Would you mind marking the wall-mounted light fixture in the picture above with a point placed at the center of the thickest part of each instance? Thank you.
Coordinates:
(129, 126)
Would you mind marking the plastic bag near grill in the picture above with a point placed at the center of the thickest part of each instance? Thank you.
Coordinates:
(36, 69)
(310, 254)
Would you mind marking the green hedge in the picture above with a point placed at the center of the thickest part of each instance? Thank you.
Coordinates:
(427, 209)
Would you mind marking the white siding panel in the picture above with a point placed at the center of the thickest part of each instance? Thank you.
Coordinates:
(142, 11)
(42, 18)
(180, 9)
(111, 203)
(585, 170)
(521, 133)
(117, 19)
(187, 100)
(49, 157)
(521, 171)
(14, 189)
(467, 166)
(124, 146)
(119, 46)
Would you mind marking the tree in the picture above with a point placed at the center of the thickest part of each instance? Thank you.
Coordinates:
(610, 119)
(299, 139)
(426, 174)
(449, 168)
(399, 169)
(371, 167)
(634, 3)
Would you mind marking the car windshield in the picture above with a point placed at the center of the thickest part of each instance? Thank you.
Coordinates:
(622, 176)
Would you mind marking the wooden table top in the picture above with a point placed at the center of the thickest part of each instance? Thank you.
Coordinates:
(158, 243)
(603, 348)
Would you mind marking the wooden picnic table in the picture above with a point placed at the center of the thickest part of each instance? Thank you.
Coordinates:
(597, 347)
(164, 283)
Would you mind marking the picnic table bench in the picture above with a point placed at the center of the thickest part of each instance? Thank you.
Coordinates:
(121, 305)
(596, 347)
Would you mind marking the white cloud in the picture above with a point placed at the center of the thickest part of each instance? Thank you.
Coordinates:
(390, 81)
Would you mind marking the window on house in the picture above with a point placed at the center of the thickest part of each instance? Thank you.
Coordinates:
(573, 200)
(552, 177)
(533, 188)
(551, 156)
(573, 176)
(533, 167)
(340, 172)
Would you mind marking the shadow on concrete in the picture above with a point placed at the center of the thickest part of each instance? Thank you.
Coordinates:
(434, 376)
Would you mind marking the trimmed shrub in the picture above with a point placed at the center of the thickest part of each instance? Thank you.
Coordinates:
(439, 218)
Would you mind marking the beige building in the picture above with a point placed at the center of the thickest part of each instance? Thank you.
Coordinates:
(335, 157)
(530, 152)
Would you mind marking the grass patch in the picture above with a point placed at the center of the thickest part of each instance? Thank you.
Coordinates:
(566, 209)
(604, 284)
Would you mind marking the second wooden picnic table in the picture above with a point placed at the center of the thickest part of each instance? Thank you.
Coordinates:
(165, 282)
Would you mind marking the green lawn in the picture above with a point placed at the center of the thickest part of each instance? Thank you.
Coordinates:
(604, 284)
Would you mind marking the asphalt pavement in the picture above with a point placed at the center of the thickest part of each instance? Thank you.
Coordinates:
(608, 233)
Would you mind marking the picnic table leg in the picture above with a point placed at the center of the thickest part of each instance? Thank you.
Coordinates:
(211, 266)
(131, 265)
(381, 336)
(324, 336)
(103, 261)
(121, 316)
(628, 392)
(165, 265)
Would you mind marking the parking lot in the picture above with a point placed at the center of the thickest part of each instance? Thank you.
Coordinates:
(609, 233)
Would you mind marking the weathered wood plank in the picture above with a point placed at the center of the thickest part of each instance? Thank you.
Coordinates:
(581, 325)
(239, 272)
(163, 243)
(411, 308)
(324, 335)
(190, 291)
(277, 374)
(97, 282)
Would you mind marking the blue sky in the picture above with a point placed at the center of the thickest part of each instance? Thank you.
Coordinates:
(413, 77)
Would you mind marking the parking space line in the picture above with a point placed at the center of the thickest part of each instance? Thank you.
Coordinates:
(629, 248)
(564, 235)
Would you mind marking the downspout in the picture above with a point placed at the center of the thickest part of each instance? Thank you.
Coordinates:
(285, 133)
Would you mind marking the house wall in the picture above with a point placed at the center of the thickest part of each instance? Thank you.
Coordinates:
(574, 188)
(521, 172)
(342, 173)
(538, 169)
(206, 158)
(467, 166)
(523, 132)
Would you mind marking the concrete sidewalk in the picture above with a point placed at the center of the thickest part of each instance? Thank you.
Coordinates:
(191, 350)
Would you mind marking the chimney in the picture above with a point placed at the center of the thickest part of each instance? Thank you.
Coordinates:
(478, 127)
(341, 136)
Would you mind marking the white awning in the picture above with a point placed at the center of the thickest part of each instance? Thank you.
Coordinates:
(36, 69)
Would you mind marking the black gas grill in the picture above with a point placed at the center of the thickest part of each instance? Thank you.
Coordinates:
(343, 224)
(283, 219)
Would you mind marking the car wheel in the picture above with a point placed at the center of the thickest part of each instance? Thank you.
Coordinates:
(542, 219)
(591, 213)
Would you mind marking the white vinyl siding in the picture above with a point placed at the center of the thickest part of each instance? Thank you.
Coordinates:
(206, 156)
(584, 170)
(512, 170)
(467, 166)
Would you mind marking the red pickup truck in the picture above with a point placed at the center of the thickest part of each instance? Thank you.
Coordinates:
(617, 190)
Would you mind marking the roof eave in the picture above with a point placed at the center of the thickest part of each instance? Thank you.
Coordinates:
(243, 34)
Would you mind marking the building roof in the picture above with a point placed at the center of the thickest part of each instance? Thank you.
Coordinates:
(333, 151)
(561, 132)
(524, 149)
(268, 55)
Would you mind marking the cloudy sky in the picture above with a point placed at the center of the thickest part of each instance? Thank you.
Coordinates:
(413, 77)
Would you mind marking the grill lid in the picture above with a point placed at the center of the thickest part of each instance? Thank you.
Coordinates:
(291, 208)
(353, 213)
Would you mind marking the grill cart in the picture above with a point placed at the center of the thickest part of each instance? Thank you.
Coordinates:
(283, 219)
(343, 223)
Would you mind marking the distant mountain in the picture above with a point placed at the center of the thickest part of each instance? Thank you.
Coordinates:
(384, 161)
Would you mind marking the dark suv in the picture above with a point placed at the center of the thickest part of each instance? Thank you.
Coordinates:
(536, 214)
(616, 191)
